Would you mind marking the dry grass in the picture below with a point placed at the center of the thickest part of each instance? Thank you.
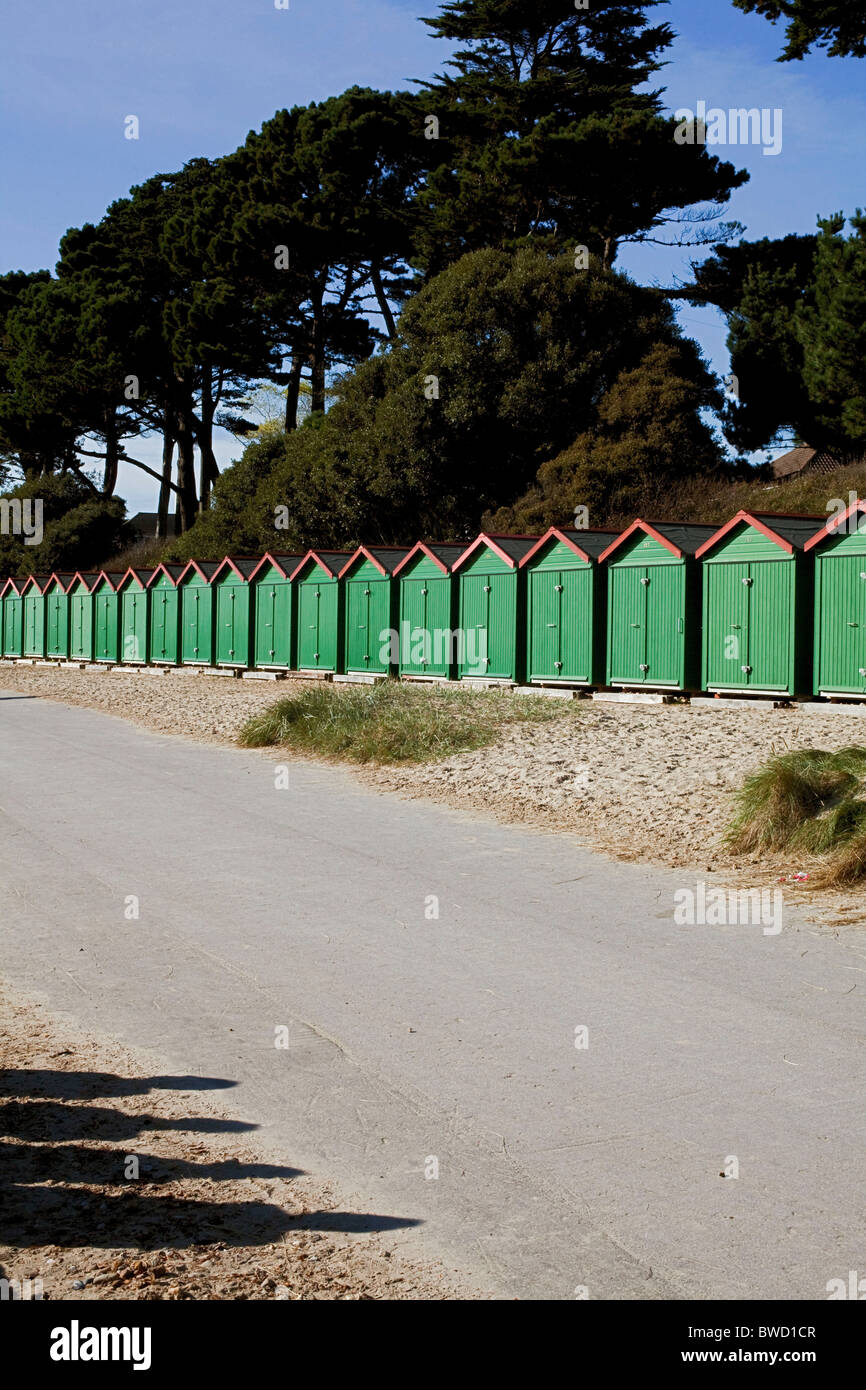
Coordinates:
(392, 722)
(810, 801)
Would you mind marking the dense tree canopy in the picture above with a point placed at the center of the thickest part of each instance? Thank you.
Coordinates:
(545, 128)
(498, 364)
(839, 26)
(79, 528)
(796, 310)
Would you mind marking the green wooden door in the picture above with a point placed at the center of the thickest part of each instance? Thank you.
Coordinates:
(425, 626)
(163, 624)
(318, 624)
(12, 627)
(106, 606)
(34, 625)
(726, 625)
(196, 600)
(474, 609)
(134, 625)
(665, 625)
(627, 625)
(273, 623)
(416, 644)
(56, 624)
(81, 626)
(501, 626)
(309, 616)
(576, 624)
(233, 624)
(842, 623)
(771, 624)
(545, 622)
(380, 626)
(358, 595)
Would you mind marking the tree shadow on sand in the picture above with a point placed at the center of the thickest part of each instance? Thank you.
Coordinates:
(60, 1191)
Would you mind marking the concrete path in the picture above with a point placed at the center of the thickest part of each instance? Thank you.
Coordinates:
(416, 1037)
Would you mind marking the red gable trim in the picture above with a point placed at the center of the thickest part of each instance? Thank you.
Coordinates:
(315, 556)
(833, 524)
(192, 565)
(156, 573)
(104, 574)
(31, 579)
(750, 521)
(130, 571)
(649, 530)
(15, 584)
(269, 559)
(484, 540)
(362, 550)
(549, 536)
(424, 549)
(228, 561)
(85, 576)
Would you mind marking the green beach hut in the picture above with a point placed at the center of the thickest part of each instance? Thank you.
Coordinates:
(197, 613)
(654, 605)
(319, 610)
(565, 607)
(428, 611)
(758, 605)
(492, 608)
(273, 612)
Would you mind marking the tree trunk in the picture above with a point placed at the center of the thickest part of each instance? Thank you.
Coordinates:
(165, 485)
(209, 470)
(293, 391)
(382, 298)
(112, 450)
(187, 491)
(317, 362)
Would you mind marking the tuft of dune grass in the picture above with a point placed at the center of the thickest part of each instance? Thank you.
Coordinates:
(393, 722)
(808, 801)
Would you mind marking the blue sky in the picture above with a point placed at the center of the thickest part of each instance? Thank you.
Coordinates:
(200, 74)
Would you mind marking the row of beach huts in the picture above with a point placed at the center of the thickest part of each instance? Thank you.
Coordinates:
(767, 605)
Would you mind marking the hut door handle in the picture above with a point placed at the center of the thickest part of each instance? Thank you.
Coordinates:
(644, 667)
(551, 624)
(747, 580)
(863, 670)
(745, 668)
(853, 624)
(645, 580)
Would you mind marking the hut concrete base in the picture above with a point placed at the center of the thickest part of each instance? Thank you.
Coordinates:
(636, 697)
(553, 692)
(749, 701)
